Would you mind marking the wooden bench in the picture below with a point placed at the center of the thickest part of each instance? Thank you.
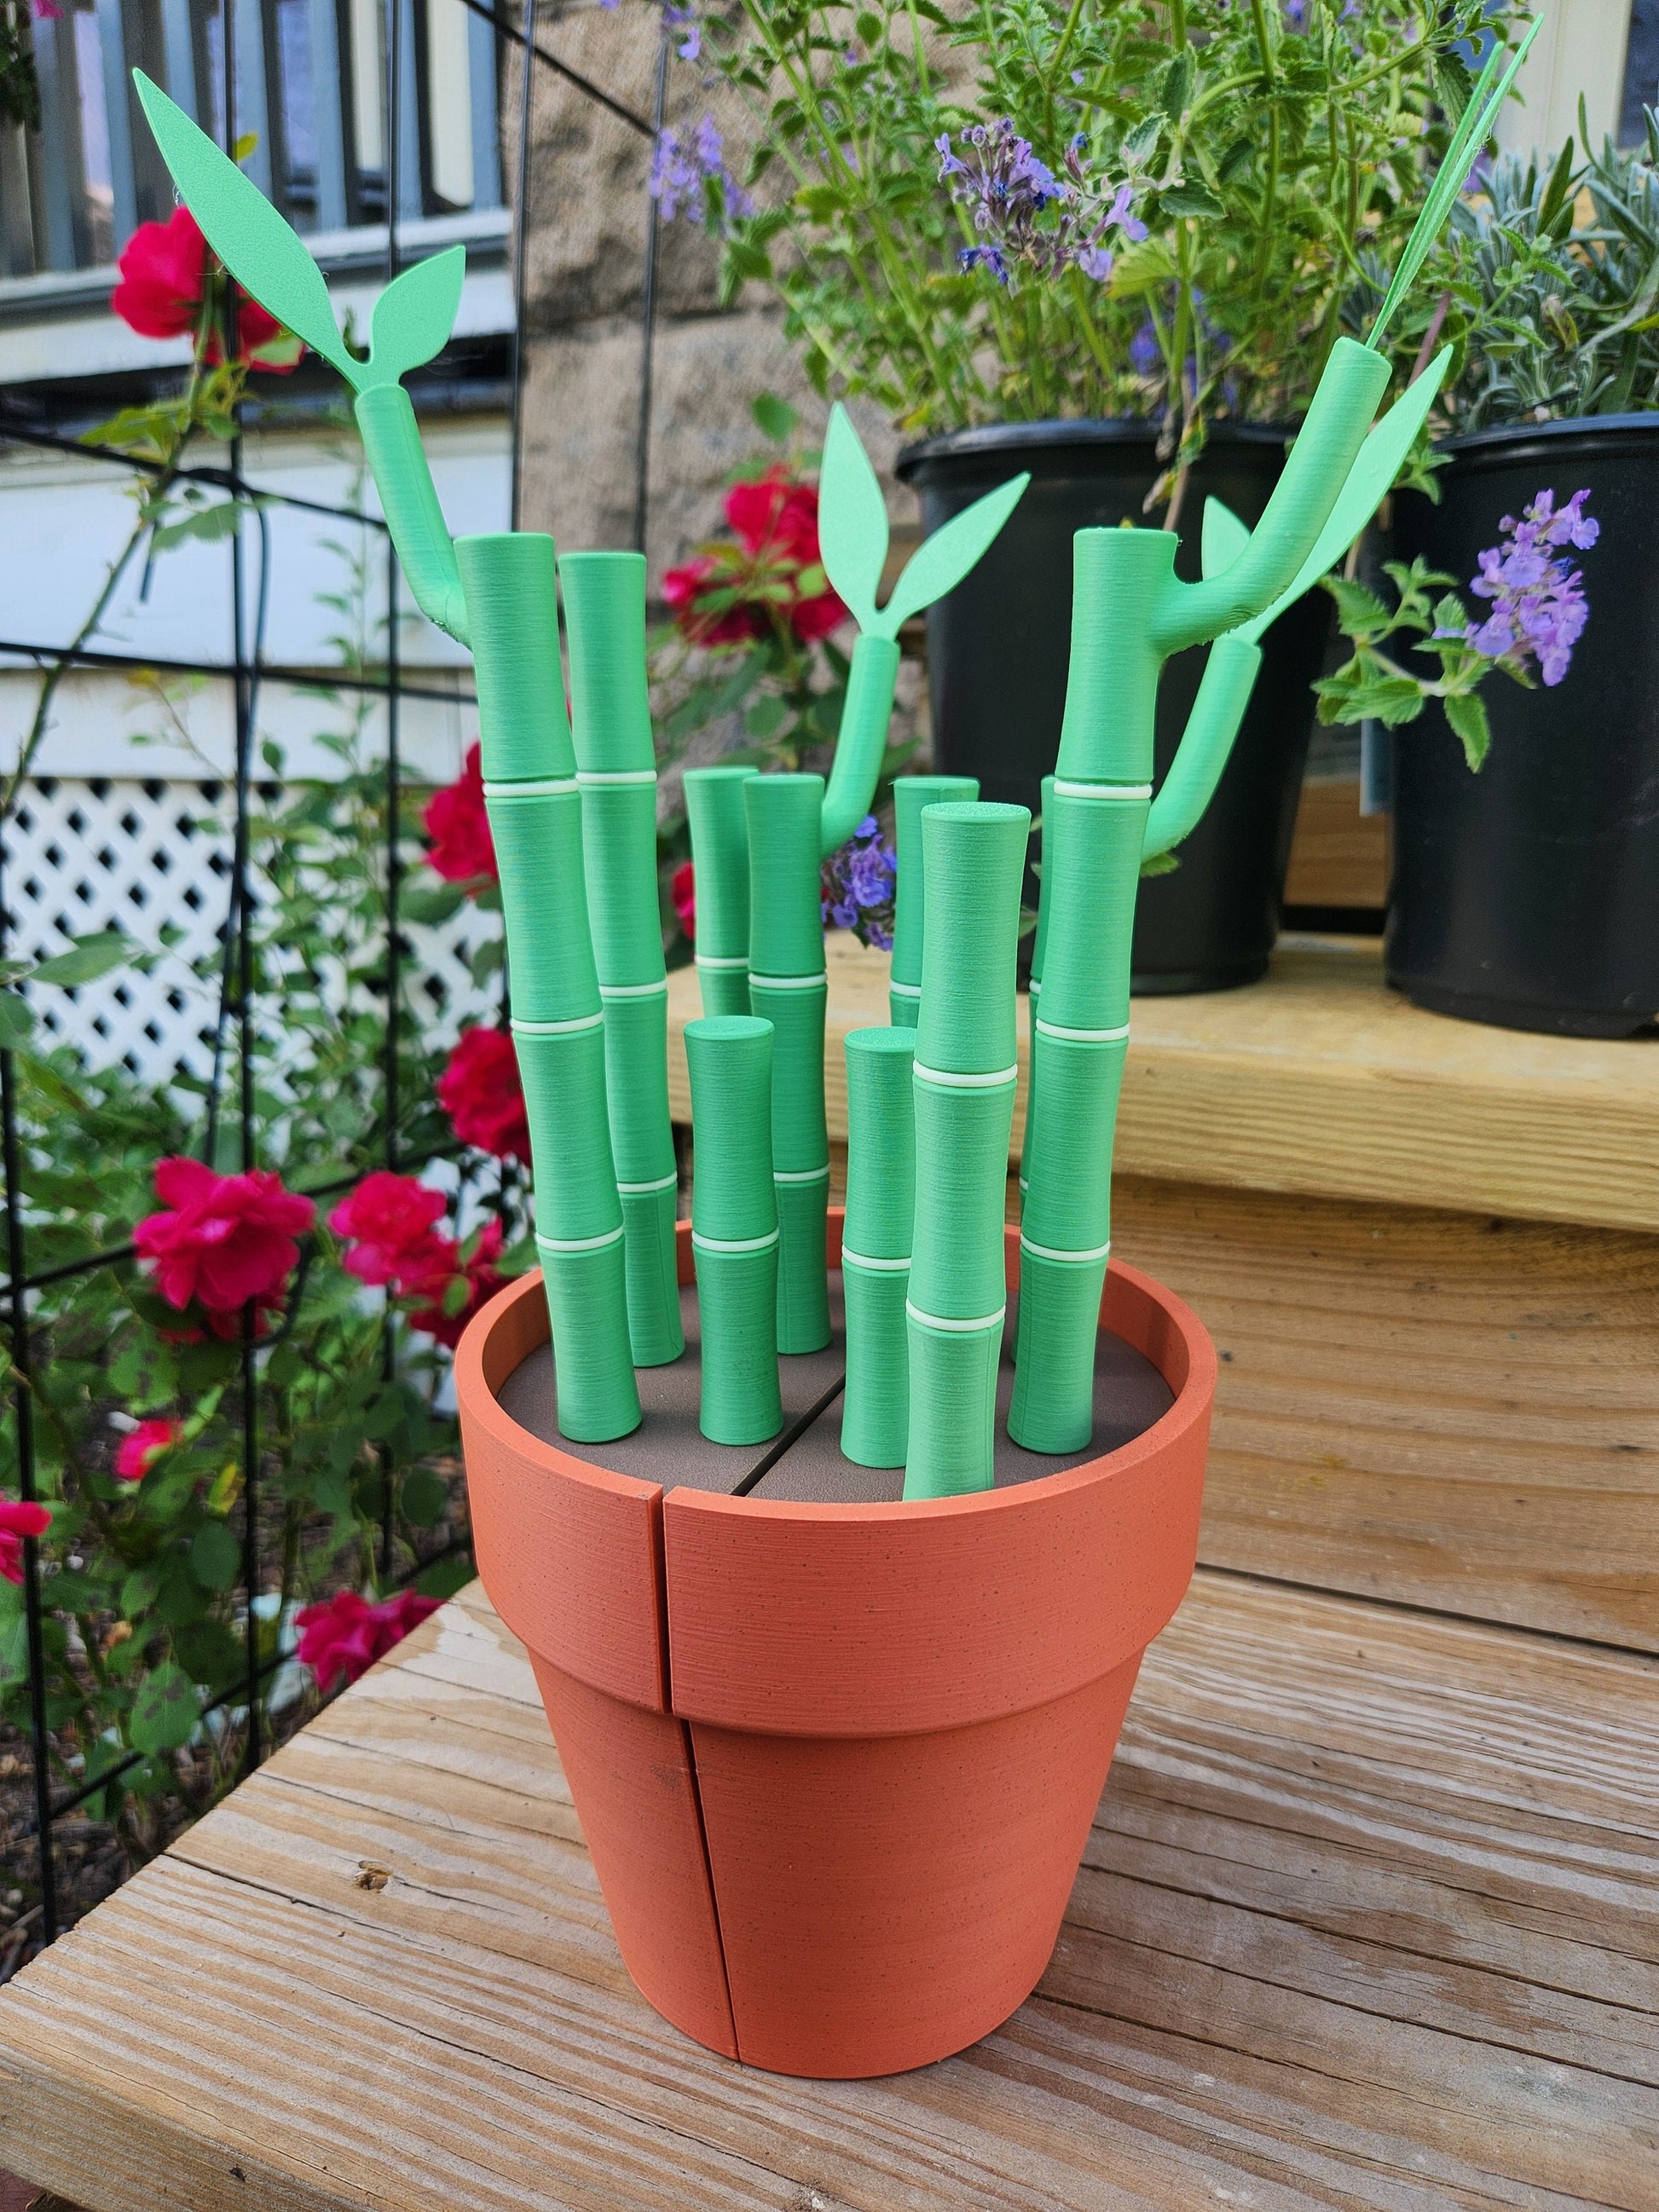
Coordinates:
(1370, 1914)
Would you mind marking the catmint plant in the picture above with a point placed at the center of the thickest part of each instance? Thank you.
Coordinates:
(1174, 221)
(1538, 611)
(1006, 190)
(690, 171)
(858, 884)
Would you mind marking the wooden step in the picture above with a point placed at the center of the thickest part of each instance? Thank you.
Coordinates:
(1369, 1917)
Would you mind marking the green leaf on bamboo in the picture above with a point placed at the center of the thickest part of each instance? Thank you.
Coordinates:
(940, 562)
(1224, 538)
(414, 316)
(246, 233)
(851, 520)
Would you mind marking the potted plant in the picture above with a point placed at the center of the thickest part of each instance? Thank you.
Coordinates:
(1116, 256)
(836, 1745)
(1525, 881)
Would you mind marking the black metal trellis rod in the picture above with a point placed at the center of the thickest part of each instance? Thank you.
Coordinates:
(307, 679)
(246, 673)
(393, 764)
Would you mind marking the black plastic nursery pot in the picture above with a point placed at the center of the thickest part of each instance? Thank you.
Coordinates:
(1527, 895)
(998, 648)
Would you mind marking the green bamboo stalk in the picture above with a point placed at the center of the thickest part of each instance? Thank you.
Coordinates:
(734, 1226)
(911, 794)
(875, 1252)
(861, 739)
(788, 985)
(719, 861)
(1045, 906)
(964, 1075)
(616, 775)
(1129, 612)
(535, 817)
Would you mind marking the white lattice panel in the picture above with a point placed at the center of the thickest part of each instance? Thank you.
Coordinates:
(122, 853)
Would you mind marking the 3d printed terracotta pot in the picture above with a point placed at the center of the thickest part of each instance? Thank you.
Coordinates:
(836, 1764)
(996, 713)
(1527, 896)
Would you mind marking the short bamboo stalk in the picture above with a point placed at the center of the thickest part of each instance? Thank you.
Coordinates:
(788, 987)
(719, 861)
(875, 1252)
(535, 817)
(911, 794)
(617, 775)
(963, 1076)
(734, 1226)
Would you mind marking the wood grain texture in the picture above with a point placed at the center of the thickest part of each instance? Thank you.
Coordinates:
(1455, 1413)
(1320, 1081)
(1339, 856)
(1369, 1917)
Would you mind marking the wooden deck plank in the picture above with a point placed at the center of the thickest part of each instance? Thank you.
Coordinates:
(1369, 1918)
(1423, 1406)
(1320, 1080)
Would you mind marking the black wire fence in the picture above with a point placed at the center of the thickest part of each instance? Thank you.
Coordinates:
(246, 672)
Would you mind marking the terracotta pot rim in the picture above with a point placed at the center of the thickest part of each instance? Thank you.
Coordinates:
(476, 1388)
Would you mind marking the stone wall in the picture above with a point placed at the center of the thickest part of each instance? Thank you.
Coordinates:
(585, 264)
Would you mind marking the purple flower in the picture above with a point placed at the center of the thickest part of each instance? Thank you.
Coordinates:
(858, 886)
(680, 172)
(1539, 606)
(683, 18)
(1146, 355)
(1005, 187)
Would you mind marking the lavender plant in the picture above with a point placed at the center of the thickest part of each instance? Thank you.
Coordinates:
(1538, 612)
(1041, 208)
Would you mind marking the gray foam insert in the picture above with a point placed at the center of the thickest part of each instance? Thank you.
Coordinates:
(669, 1447)
(1130, 1395)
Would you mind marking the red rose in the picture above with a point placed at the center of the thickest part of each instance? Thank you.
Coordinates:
(388, 1221)
(462, 851)
(16, 1521)
(729, 625)
(481, 1275)
(480, 1091)
(345, 1637)
(144, 1446)
(815, 617)
(226, 1238)
(682, 890)
(164, 275)
(777, 514)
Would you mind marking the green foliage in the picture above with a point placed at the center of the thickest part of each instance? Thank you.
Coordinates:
(1552, 316)
(19, 89)
(1374, 685)
(1278, 168)
(146, 1611)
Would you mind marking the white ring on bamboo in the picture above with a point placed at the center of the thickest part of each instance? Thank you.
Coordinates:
(956, 1328)
(1121, 792)
(734, 1244)
(1084, 1036)
(904, 990)
(642, 1189)
(1035, 986)
(562, 1244)
(953, 1081)
(558, 1029)
(722, 959)
(634, 990)
(586, 776)
(789, 982)
(876, 1267)
(1078, 1259)
(546, 786)
(801, 1175)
